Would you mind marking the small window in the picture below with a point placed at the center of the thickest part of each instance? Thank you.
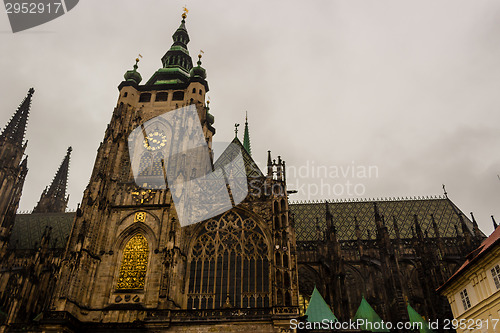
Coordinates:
(465, 299)
(178, 96)
(495, 271)
(200, 92)
(161, 96)
(145, 97)
(125, 94)
(194, 90)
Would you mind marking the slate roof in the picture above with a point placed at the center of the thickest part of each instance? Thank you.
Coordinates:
(251, 168)
(343, 212)
(28, 229)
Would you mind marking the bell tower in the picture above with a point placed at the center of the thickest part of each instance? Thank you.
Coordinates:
(117, 216)
(130, 259)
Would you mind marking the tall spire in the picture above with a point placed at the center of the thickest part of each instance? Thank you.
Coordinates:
(246, 137)
(54, 199)
(15, 129)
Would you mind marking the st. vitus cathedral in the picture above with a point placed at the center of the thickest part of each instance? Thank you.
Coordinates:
(123, 262)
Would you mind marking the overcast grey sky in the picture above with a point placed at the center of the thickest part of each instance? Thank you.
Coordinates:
(410, 88)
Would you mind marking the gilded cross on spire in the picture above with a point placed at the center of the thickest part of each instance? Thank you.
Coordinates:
(185, 11)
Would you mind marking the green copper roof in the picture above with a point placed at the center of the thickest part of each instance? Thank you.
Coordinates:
(198, 71)
(372, 321)
(318, 310)
(246, 138)
(177, 62)
(133, 75)
(416, 318)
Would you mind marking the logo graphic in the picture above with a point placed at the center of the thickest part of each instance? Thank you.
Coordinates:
(171, 151)
(26, 14)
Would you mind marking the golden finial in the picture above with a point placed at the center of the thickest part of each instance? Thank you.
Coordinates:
(184, 14)
(200, 54)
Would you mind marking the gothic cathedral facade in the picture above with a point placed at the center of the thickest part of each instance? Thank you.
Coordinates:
(125, 262)
(127, 252)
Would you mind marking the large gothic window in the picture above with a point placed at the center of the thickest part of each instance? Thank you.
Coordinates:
(134, 264)
(229, 265)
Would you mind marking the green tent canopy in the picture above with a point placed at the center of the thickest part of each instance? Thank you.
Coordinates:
(416, 318)
(372, 321)
(318, 310)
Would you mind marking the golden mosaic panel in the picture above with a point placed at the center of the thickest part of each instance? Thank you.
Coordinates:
(134, 264)
(140, 217)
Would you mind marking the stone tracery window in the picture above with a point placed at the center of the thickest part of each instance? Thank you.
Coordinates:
(134, 264)
(229, 265)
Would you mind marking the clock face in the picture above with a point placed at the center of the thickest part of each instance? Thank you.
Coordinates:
(154, 141)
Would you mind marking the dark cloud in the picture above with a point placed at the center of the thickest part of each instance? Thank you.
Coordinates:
(410, 87)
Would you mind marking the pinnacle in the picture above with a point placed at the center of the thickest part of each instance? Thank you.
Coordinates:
(16, 128)
(54, 198)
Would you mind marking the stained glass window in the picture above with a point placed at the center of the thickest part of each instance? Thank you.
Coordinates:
(134, 264)
(229, 265)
